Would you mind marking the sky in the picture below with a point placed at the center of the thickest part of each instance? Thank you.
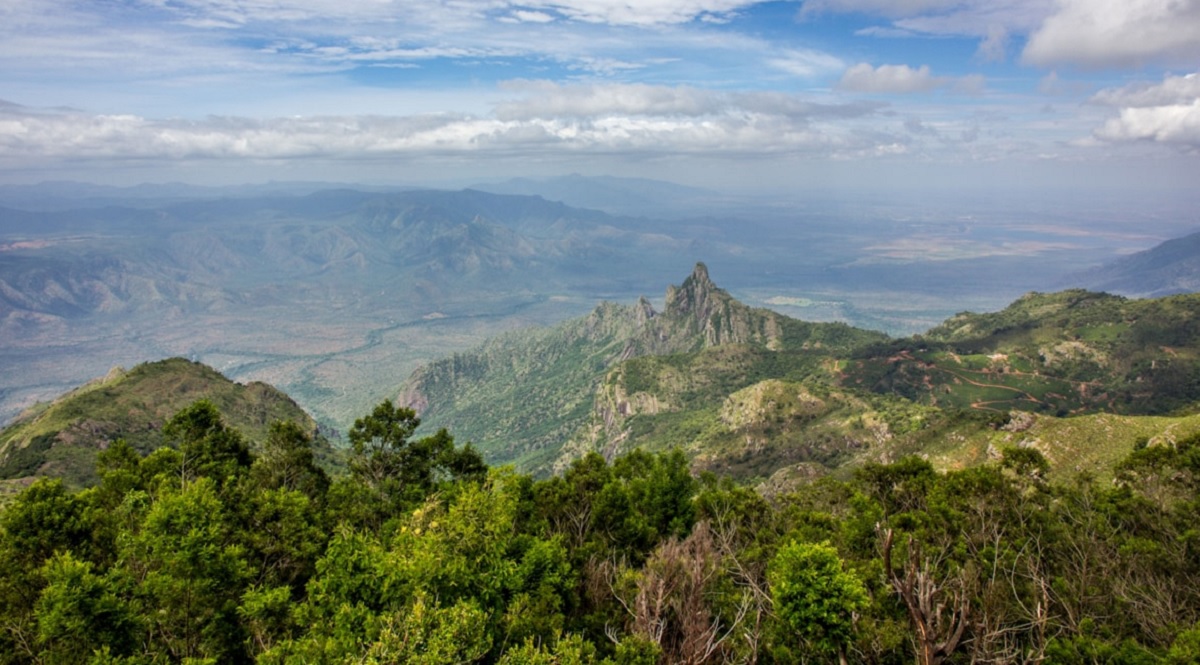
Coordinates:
(806, 94)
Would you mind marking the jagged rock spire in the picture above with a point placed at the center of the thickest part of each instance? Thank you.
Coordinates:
(694, 295)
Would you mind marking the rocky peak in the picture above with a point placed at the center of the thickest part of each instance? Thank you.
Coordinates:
(699, 310)
(695, 296)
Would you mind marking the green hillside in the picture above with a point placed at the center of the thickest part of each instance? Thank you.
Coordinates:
(739, 415)
(61, 439)
(1064, 353)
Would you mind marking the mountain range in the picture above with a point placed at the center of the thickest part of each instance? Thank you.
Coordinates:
(750, 392)
(746, 392)
(336, 294)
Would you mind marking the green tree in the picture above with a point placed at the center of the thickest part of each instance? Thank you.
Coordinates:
(287, 462)
(815, 596)
(81, 612)
(208, 447)
(190, 573)
(44, 520)
(403, 471)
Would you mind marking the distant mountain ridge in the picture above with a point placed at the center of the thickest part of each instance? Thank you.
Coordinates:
(199, 254)
(1168, 268)
(636, 196)
(321, 293)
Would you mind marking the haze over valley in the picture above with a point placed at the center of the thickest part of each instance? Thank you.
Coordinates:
(294, 191)
(335, 295)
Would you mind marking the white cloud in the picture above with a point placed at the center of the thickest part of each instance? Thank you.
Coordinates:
(449, 12)
(1173, 90)
(548, 99)
(902, 79)
(888, 78)
(532, 17)
(1165, 113)
(547, 119)
(1122, 33)
(1174, 124)
(979, 18)
(985, 19)
(642, 12)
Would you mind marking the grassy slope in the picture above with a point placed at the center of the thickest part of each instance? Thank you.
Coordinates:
(62, 438)
(1066, 353)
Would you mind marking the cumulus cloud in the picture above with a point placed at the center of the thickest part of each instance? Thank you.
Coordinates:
(888, 78)
(1173, 90)
(545, 118)
(1176, 124)
(1122, 33)
(1166, 113)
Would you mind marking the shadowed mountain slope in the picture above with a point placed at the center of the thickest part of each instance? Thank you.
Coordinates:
(1165, 269)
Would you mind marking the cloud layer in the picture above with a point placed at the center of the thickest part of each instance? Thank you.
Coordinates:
(168, 81)
(546, 117)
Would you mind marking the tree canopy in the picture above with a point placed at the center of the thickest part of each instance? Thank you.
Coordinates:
(207, 552)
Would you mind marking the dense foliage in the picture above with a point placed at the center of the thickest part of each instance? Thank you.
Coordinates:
(207, 552)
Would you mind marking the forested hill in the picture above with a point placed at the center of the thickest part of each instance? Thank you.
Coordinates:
(1068, 352)
(520, 396)
(61, 439)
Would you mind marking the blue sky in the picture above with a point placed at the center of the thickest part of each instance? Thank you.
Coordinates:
(870, 93)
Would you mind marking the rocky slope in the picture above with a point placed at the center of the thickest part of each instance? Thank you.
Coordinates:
(521, 396)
